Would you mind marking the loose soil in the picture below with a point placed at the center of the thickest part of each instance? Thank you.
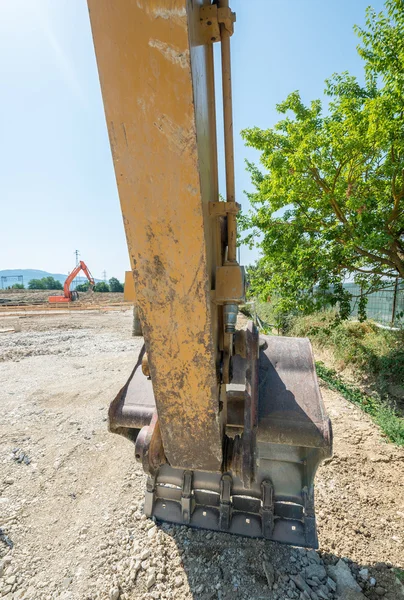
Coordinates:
(8, 297)
(74, 512)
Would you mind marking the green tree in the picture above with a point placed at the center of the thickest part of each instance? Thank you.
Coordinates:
(83, 287)
(36, 284)
(46, 283)
(51, 283)
(115, 285)
(329, 201)
(101, 286)
(18, 286)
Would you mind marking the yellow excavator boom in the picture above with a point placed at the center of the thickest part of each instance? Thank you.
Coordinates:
(229, 425)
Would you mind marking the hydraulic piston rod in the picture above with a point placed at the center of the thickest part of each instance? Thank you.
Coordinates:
(228, 135)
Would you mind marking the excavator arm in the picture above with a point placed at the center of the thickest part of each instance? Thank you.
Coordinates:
(229, 425)
(80, 267)
(87, 273)
(68, 295)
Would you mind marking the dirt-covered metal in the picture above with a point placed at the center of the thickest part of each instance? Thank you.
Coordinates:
(230, 441)
(282, 433)
(157, 84)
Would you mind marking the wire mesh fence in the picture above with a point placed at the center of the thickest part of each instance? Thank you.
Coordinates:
(385, 306)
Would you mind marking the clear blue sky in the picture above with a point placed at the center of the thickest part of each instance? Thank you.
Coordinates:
(57, 184)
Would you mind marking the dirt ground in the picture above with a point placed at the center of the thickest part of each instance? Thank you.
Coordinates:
(41, 297)
(71, 494)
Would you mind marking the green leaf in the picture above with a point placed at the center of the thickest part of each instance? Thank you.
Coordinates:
(329, 192)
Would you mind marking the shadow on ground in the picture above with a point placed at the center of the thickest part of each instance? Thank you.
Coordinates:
(224, 567)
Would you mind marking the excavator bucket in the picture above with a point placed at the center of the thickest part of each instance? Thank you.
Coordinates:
(229, 425)
(277, 434)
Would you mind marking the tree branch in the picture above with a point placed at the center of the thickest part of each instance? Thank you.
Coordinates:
(371, 272)
(397, 196)
(374, 257)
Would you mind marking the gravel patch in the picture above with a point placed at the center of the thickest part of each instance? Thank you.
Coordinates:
(71, 520)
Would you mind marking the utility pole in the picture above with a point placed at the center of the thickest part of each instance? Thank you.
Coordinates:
(104, 274)
(76, 281)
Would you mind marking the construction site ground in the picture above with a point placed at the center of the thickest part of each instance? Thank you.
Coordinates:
(71, 494)
(12, 297)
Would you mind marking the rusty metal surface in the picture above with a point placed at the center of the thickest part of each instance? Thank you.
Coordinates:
(276, 500)
(158, 92)
(149, 448)
(134, 405)
(249, 438)
(129, 294)
(230, 285)
(291, 409)
(256, 512)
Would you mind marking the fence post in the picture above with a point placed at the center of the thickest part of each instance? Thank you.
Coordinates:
(395, 293)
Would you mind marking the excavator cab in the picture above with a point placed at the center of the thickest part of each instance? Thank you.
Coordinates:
(228, 424)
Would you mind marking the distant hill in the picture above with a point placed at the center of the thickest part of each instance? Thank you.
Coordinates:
(29, 274)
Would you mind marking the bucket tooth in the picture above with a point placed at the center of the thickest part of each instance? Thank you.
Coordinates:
(255, 512)
(267, 510)
(186, 497)
(149, 496)
(225, 502)
(309, 517)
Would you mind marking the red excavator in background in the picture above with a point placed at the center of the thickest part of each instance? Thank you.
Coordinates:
(69, 296)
